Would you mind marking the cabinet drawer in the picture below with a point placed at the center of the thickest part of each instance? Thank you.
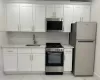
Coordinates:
(38, 50)
(9, 50)
(68, 50)
(24, 50)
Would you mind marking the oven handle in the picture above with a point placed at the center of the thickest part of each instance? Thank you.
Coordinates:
(53, 53)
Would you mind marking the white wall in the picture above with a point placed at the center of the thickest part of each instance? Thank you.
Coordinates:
(3, 37)
(41, 38)
(95, 16)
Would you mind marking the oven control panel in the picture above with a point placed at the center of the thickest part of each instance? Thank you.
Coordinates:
(55, 49)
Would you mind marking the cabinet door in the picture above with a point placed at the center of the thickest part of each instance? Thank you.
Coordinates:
(40, 19)
(26, 20)
(78, 11)
(86, 13)
(68, 17)
(33, 16)
(59, 11)
(38, 63)
(10, 62)
(12, 16)
(50, 11)
(68, 61)
(24, 62)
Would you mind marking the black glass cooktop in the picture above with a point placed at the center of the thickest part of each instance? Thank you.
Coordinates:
(53, 45)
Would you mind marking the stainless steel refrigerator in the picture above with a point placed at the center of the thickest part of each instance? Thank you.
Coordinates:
(82, 37)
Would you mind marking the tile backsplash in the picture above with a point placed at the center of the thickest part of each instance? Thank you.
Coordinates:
(41, 38)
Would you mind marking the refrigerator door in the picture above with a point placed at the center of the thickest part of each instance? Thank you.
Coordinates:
(84, 58)
(86, 30)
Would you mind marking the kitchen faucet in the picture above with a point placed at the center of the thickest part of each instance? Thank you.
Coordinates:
(34, 39)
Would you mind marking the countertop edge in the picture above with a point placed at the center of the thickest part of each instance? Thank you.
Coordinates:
(23, 46)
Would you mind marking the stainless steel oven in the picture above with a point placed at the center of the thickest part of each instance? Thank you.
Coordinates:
(54, 60)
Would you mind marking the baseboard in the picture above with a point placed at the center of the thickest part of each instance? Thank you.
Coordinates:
(97, 75)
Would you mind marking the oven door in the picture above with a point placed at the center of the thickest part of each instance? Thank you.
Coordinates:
(54, 58)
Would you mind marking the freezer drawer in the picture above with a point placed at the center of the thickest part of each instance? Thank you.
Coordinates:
(84, 58)
(86, 30)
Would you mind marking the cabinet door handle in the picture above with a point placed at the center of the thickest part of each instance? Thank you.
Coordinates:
(18, 27)
(10, 51)
(82, 19)
(54, 14)
(30, 58)
(32, 28)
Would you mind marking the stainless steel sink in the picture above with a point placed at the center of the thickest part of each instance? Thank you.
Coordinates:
(32, 45)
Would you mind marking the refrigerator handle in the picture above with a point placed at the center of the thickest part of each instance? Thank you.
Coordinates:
(85, 41)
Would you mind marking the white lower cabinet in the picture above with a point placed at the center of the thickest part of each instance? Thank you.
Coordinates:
(30, 59)
(33, 60)
(38, 63)
(10, 62)
(24, 62)
(68, 61)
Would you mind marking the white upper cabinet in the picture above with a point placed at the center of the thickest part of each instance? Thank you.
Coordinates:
(81, 13)
(38, 63)
(59, 9)
(86, 13)
(78, 9)
(40, 18)
(32, 17)
(26, 18)
(54, 11)
(50, 11)
(12, 17)
(68, 17)
(33, 14)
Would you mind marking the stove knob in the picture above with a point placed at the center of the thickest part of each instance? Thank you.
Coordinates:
(59, 50)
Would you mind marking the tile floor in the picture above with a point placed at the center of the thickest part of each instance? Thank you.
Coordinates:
(44, 77)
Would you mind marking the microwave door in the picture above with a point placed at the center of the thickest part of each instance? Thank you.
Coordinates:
(54, 26)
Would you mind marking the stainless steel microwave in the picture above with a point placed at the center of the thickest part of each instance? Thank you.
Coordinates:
(54, 24)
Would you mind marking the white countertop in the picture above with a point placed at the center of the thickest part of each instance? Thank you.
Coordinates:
(67, 46)
(41, 46)
(22, 46)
